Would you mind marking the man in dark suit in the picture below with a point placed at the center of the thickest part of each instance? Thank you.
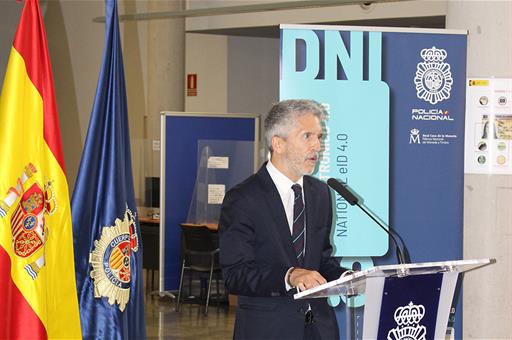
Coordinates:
(274, 233)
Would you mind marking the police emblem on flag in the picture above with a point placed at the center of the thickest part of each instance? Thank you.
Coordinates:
(111, 260)
(407, 319)
(433, 78)
(29, 232)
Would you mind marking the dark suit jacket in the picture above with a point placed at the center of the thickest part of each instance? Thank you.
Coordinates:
(256, 251)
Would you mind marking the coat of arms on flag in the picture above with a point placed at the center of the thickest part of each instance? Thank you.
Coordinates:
(28, 226)
(110, 260)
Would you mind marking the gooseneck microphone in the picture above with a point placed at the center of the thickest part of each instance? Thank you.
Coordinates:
(352, 199)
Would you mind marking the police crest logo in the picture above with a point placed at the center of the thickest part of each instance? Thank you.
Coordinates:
(110, 260)
(28, 228)
(433, 78)
(408, 320)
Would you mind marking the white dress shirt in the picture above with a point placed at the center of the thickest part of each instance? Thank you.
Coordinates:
(284, 187)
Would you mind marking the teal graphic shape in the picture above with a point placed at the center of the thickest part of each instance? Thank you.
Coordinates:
(356, 149)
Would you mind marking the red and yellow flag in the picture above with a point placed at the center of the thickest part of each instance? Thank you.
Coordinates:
(37, 279)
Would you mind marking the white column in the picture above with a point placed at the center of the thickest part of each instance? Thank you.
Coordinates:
(166, 69)
(487, 294)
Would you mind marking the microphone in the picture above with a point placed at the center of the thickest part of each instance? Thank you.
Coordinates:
(343, 191)
(352, 199)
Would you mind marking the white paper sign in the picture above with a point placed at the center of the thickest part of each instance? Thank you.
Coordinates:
(216, 193)
(215, 162)
(156, 145)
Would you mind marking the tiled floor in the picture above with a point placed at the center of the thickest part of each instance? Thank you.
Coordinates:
(163, 322)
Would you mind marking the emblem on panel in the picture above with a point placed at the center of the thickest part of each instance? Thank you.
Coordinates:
(408, 320)
(30, 203)
(433, 78)
(111, 260)
(414, 137)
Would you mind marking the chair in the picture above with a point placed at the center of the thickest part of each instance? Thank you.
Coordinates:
(200, 253)
(150, 233)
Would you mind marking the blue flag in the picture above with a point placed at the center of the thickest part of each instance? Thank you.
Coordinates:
(107, 243)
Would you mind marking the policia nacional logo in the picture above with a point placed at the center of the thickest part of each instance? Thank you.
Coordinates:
(110, 260)
(433, 78)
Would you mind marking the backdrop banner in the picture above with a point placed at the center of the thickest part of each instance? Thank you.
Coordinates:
(395, 134)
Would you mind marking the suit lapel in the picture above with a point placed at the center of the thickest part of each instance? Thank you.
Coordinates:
(276, 209)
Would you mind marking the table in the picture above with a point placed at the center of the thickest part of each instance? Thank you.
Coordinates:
(211, 226)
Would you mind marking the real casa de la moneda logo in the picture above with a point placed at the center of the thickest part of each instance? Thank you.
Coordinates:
(414, 137)
(433, 78)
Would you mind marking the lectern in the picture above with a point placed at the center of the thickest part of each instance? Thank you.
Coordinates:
(405, 301)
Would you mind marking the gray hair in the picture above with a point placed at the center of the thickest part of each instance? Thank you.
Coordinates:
(281, 118)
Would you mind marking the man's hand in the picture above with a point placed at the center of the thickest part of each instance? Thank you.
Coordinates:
(305, 279)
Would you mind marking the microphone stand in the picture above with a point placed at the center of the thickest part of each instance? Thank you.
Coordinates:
(400, 257)
(352, 199)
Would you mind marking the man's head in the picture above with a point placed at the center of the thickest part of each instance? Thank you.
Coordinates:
(293, 131)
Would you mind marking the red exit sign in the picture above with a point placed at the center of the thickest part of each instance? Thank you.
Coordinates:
(191, 85)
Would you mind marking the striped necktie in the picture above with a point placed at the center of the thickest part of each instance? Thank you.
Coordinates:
(299, 223)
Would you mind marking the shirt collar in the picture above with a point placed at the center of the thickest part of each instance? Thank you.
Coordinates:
(283, 183)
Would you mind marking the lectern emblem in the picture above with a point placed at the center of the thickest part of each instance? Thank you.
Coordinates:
(433, 76)
(408, 320)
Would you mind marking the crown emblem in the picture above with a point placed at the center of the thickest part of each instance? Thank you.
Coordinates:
(408, 320)
(415, 132)
(409, 315)
(433, 54)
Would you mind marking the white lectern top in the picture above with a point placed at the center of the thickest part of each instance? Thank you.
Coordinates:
(355, 284)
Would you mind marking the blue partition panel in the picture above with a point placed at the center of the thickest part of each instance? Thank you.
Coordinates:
(182, 133)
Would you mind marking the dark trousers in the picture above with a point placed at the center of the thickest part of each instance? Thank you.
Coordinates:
(311, 332)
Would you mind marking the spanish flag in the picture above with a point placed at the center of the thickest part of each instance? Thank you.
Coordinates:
(38, 296)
